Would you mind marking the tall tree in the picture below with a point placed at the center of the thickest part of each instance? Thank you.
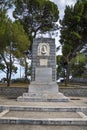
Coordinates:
(4, 6)
(36, 15)
(3, 28)
(73, 31)
(16, 44)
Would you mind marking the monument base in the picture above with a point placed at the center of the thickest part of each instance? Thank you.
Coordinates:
(43, 97)
(41, 92)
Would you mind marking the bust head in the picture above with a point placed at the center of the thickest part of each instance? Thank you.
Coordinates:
(43, 49)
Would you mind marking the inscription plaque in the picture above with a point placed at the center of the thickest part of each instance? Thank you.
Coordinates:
(43, 62)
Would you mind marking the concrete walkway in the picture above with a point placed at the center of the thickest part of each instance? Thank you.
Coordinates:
(64, 110)
(40, 127)
(74, 102)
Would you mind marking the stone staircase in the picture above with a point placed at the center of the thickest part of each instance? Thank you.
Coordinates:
(43, 115)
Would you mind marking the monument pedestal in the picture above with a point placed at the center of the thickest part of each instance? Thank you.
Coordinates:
(43, 92)
(43, 86)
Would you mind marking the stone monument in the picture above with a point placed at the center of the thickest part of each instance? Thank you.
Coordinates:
(43, 86)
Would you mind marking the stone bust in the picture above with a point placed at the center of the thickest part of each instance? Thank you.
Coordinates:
(43, 49)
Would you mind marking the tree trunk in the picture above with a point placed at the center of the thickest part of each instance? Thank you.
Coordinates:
(26, 70)
(9, 68)
(67, 72)
(8, 82)
(9, 72)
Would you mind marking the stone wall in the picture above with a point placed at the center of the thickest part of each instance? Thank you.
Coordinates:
(13, 92)
(77, 92)
(79, 80)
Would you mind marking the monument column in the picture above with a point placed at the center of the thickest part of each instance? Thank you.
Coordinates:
(43, 55)
(43, 66)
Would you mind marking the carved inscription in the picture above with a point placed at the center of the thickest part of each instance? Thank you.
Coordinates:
(43, 62)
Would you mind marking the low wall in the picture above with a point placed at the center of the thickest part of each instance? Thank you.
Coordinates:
(77, 92)
(14, 92)
(79, 80)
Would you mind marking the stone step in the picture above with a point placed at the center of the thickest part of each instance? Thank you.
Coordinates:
(42, 108)
(57, 121)
(32, 115)
(43, 97)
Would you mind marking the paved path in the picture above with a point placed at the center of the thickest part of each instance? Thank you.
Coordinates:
(76, 102)
(41, 127)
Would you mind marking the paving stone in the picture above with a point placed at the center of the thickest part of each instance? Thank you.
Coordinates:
(42, 115)
(40, 127)
(74, 105)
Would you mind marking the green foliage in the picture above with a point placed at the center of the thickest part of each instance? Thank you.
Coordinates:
(19, 39)
(78, 65)
(74, 28)
(73, 35)
(66, 49)
(13, 43)
(36, 15)
(16, 40)
(78, 70)
(2, 66)
(60, 70)
(3, 29)
(80, 58)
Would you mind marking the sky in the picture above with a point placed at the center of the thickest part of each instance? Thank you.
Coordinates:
(61, 6)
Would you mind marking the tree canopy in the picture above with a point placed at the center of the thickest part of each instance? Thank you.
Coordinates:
(73, 31)
(36, 15)
(74, 28)
(4, 22)
(13, 43)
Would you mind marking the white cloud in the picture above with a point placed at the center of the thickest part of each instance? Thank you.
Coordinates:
(10, 14)
(61, 5)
